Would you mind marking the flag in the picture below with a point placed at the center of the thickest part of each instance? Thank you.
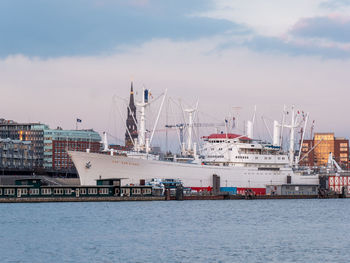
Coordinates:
(78, 120)
(233, 122)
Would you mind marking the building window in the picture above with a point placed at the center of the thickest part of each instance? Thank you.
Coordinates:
(22, 191)
(58, 191)
(146, 191)
(92, 191)
(103, 191)
(9, 191)
(34, 191)
(46, 191)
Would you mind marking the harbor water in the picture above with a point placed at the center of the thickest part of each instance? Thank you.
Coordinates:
(175, 231)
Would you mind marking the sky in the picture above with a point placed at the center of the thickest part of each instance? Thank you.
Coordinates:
(60, 60)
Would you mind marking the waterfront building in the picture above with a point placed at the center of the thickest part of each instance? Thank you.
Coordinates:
(131, 121)
(58, 142)
(15, 154)
(49, 146)
(315, 152)
(33, 132)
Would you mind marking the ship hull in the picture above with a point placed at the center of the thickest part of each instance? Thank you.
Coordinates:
(93, 166)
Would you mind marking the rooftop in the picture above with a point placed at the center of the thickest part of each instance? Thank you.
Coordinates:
(226, 136)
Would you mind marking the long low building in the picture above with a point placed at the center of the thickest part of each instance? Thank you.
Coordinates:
(292, 189)
(33, 187)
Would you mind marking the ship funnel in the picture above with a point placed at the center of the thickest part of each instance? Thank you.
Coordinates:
(276, 133)
(250, 129)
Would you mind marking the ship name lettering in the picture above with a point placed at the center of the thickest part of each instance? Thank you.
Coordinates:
(125, 163)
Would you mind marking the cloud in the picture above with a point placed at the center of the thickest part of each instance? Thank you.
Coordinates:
(334, 28)
(297, 28)
(289, 45)
(57, 90)
(269, 17)
(102, 27)
(71, 28)
(335, 4)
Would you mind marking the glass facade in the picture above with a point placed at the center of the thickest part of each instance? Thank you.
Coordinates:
(15, 154)
(325, 145)
(49, 146)
(316, 152)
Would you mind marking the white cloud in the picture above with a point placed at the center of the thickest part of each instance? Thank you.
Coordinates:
(271, 17)
(56, 91)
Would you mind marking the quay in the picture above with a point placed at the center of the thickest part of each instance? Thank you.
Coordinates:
(79, 199)
(158, 198)
(258, 197)
(39, 190)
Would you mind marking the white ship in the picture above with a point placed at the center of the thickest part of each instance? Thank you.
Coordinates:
(237, 160)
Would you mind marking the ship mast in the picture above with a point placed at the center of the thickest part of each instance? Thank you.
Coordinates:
(292, 127)
(292, 135)
(142, 134)
(190, 129)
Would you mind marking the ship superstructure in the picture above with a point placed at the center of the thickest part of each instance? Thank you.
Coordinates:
(237, 150)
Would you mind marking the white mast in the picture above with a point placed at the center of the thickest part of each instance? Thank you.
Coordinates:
(292, 135)
(250, 126)
(302, 137)
(190, 128)
(282, 125)
(142, 133)
(276, 133)
(105, 142)
(249, 129)
(292, 127)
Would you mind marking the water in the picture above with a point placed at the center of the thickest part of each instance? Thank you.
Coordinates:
(188, 231)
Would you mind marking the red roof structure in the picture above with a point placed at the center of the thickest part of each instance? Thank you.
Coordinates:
(227, 136)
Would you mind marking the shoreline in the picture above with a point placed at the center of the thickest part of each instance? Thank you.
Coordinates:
(157, 198)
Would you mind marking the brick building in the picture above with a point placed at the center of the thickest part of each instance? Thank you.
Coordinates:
(59, 141)
(48, 146)
(315, 152)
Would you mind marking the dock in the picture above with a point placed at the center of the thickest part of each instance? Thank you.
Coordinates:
(157, 198)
